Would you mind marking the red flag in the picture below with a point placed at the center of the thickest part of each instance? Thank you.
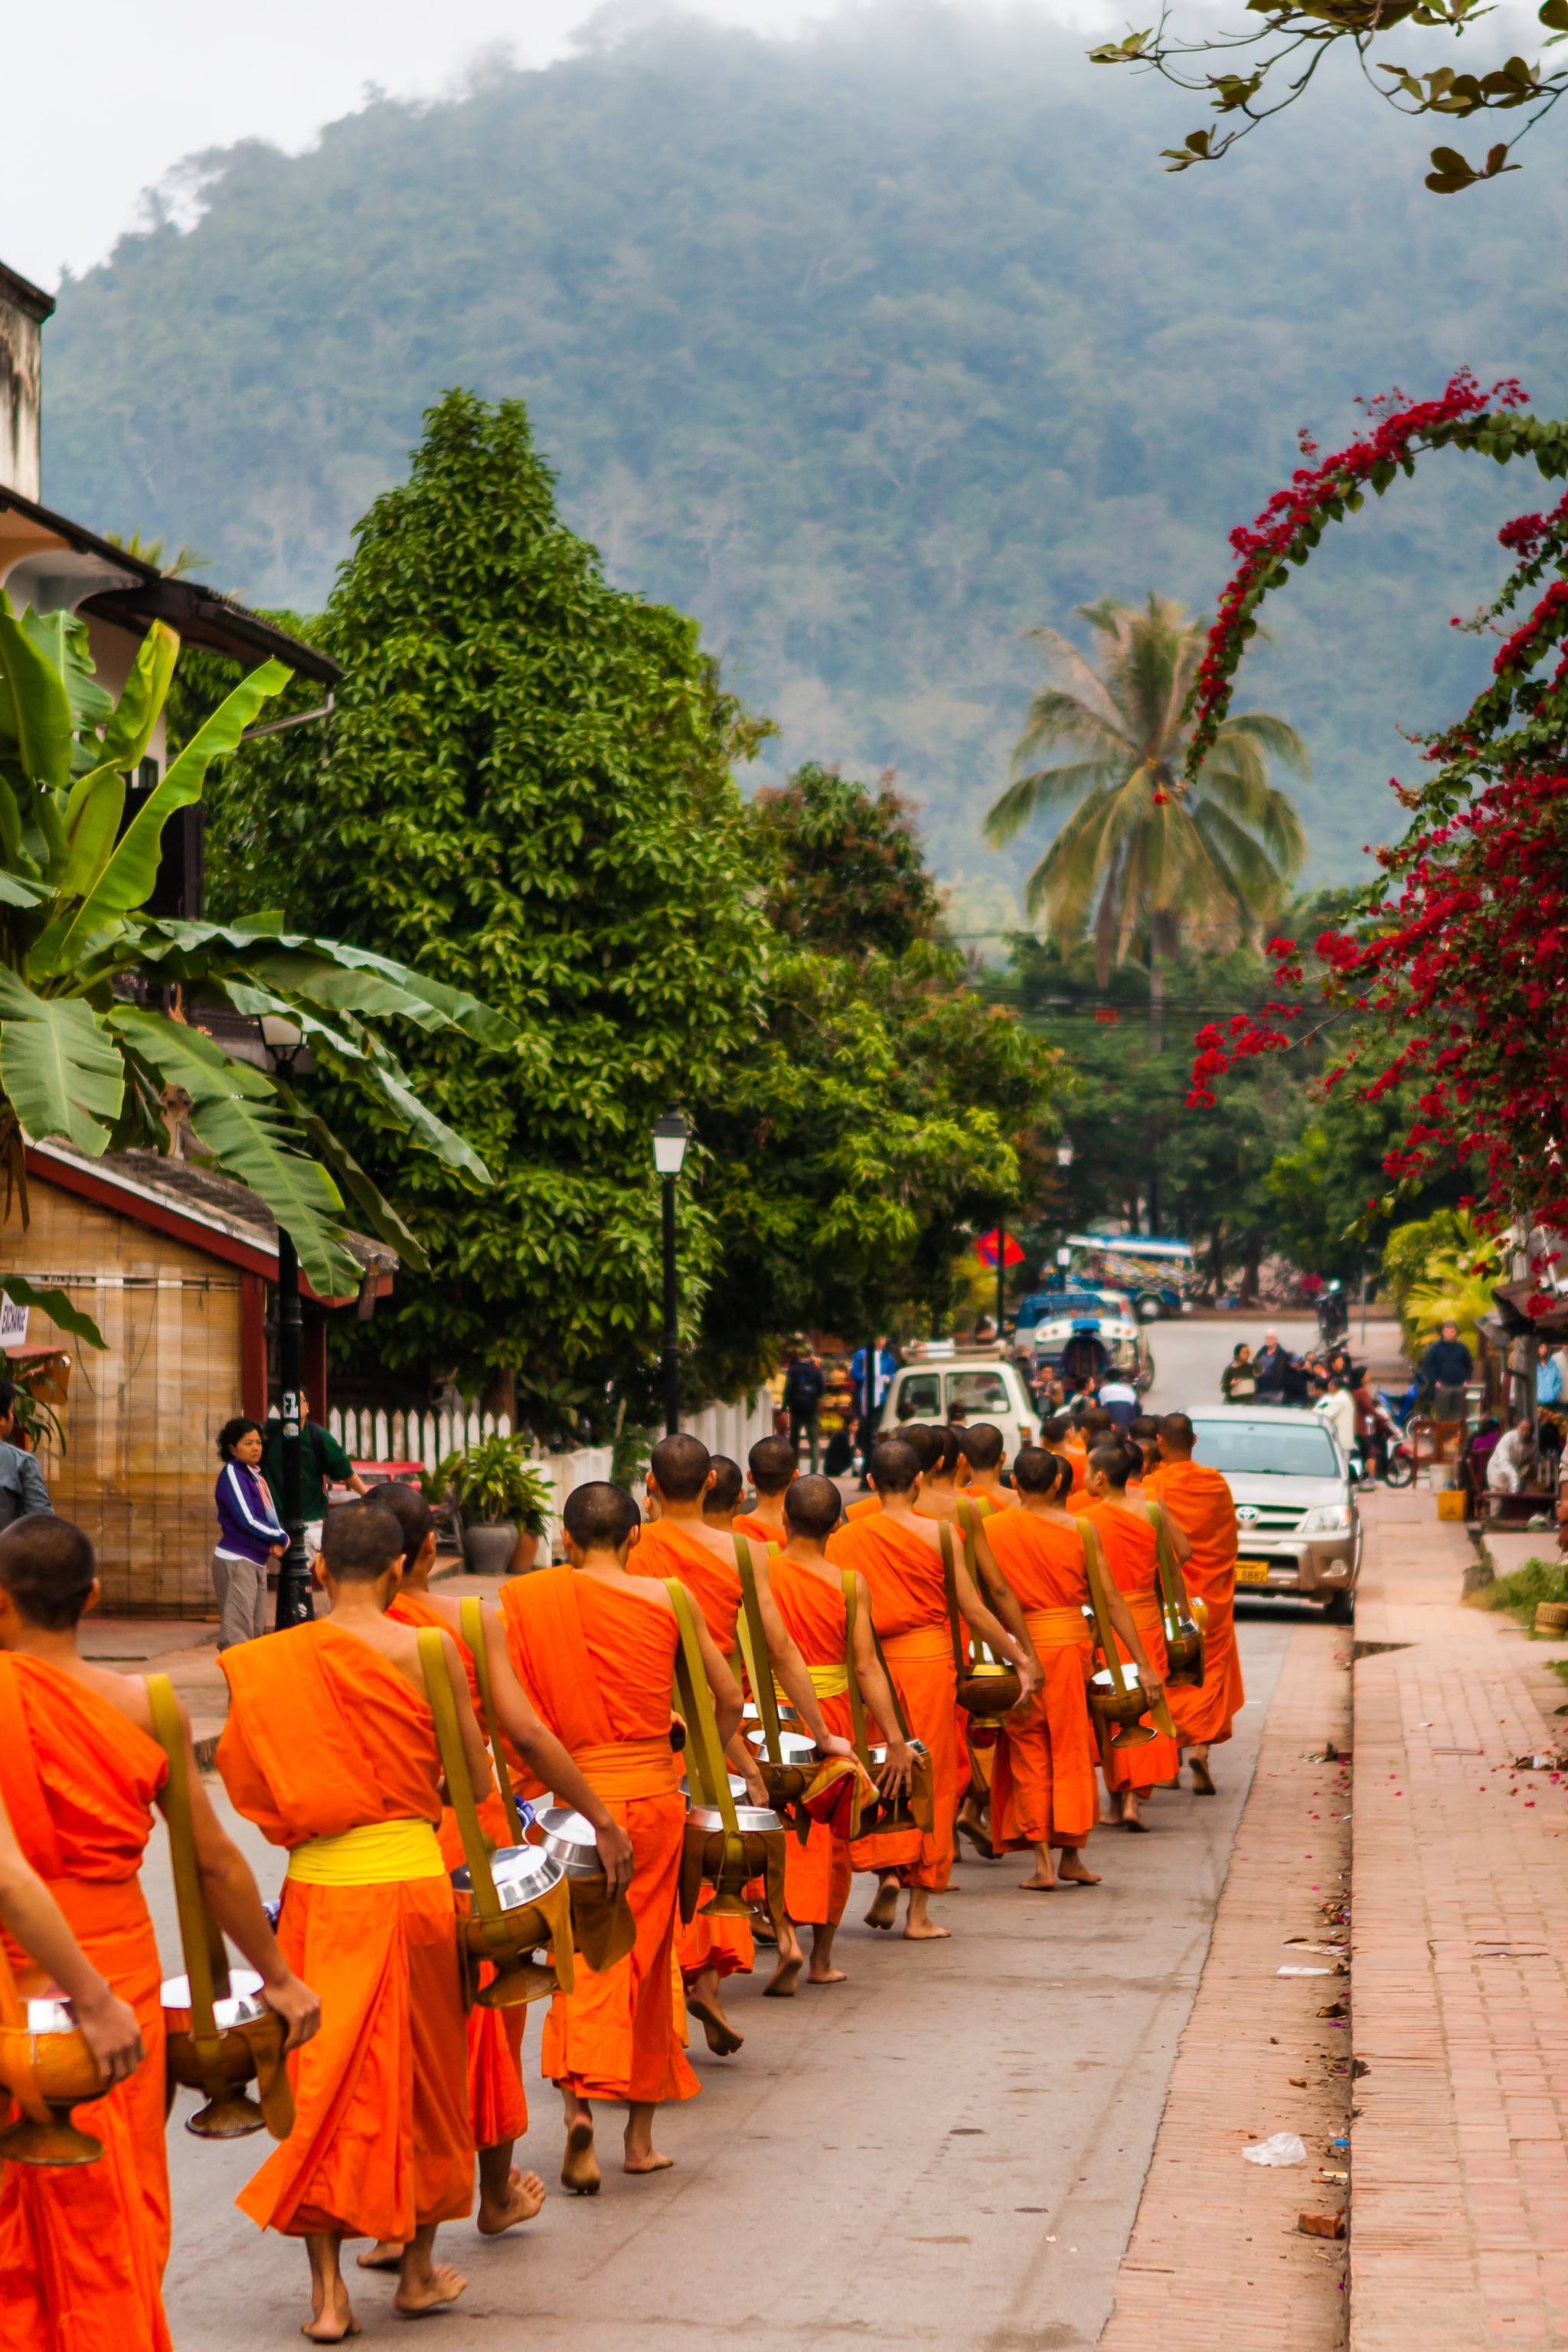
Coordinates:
(985, 1250)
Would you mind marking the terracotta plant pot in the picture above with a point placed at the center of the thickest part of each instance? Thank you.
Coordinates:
(490, 1548)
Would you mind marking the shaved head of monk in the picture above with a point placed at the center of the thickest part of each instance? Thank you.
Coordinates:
(925, 1440)
(600, 1518)
(681, 1466)
(1177, 1436)
(1098, 1424)
(1037, 1471)
(727, 1488)
(47, 1570)
(772, 1464)
(1053, 1431)
(413, 1514)
(1116, 1461)
(895, 1466)
(361, 1543)
(813, 1508)
(983, 1445)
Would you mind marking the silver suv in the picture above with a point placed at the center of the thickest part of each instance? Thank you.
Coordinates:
(1300, 1532)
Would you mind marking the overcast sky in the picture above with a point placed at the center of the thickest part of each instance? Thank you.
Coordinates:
(112, 97)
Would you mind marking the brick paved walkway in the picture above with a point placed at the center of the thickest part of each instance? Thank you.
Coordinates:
(1216, 2263)
(1460, 2217)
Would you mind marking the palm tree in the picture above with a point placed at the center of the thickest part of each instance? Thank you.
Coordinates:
(1139, 848)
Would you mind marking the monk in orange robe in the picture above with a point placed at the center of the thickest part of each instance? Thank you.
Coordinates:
(678, 1543)
(1126, 1525)
(329, 1749)
(536, 1761)
(38, 1942)
(980, 1451)
(1063, 1435)
(1199, 1501)
(809, 1592)
(899, 1553)
(82, 2247)
(1043, 1789)
(595, 1647)
(772, 1466)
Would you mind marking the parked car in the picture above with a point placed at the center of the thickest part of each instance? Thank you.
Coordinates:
(979, 1382)
(1300, 1529)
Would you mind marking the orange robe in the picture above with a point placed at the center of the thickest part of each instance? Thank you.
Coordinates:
(817, 1874)
(667, 1548)
(1131, 1554)
(908, 1604)
(325, 1735)
(82, 2247)
(864, 1506)
(599, 1661)
(1041, 1785)
(747, 1522)
(1200, 1502)
(1079, 1456)
(496, 2102)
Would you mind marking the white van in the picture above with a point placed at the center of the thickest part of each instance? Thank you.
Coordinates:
(978, 1381)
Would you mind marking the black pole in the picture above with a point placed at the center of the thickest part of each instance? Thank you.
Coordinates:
(671, 1331)
(294, 1603)
(1000, 1276)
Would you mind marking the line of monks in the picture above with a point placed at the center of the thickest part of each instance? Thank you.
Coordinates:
(403, 2097)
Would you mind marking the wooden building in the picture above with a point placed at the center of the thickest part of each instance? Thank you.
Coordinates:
(176, 1267)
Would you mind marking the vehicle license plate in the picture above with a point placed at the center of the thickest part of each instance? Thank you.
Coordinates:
(1252, 1571)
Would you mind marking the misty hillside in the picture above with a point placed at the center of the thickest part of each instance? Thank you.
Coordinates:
(872, 350)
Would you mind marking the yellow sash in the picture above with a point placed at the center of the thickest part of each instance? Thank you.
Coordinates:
(376, 1854)
(828, 1682)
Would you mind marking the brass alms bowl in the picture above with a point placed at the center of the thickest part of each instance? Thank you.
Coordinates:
(515, 1945)
(49, 2058)
(250, 2039)
(1123, 1707)
(989, 1690)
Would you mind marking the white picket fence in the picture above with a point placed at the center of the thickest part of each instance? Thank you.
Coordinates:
(429, 1437)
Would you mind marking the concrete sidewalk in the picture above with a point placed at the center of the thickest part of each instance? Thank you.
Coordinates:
(1460, 2217)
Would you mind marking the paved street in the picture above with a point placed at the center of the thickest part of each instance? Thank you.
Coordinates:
(1191, 1354)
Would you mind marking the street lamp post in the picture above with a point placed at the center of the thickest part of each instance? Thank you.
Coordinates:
(1064, 1161)
(284, 1040)
(670, 1135)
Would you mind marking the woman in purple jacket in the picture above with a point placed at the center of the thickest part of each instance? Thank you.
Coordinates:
(249, 1537)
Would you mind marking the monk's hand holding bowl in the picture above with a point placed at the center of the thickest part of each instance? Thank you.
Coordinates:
(1031, 1675)
(1152, 1686)
(898, 1770)
(616, 1857)
(756, 1786)
(296, 2004)
(109, 2029)
(833, 1746)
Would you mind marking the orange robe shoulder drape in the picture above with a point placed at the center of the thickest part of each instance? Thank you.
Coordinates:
(817, 1875)
(1200, 1502)
(1131, 1554)
(598, 1661)
(668, 1548)
(82, 2248)
(908, 1604)
(496, 2099)
(325, 1735)
(747, 1522)
(1042, 1788)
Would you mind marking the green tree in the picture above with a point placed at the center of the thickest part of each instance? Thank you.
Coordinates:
(844, 869)
(1138, 850)
(525, 783)
(95, 1049)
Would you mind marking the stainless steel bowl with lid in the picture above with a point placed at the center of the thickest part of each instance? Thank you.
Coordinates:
(522, 1875)
(243, 2007)
(569, 1841)
(749, 1819)
(51, 2013)
(737, 1787)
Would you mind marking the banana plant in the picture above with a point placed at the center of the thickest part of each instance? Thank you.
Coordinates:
(94, 1032)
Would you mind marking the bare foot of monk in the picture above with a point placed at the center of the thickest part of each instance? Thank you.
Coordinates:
(781, 1985)
(386, 2254)
(524, 2196)
(822, 1968)
(920, 1927)
(332, 2320)
(1114, 1807)
(1072, 1868)
(1130, 1817)
(430, 2290)
(579, 2165)
(1201, 1780)
(641, 2154)
(702, 2000)
(884, 1908)
(969, 1825)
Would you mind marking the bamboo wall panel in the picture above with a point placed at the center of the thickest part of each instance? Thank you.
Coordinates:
(143, 1418)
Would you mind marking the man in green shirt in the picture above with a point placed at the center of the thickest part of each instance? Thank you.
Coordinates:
(322, 1463)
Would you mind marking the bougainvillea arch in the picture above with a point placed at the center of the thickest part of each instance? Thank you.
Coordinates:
(1453, 972)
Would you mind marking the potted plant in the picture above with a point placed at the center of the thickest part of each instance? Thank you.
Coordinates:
(504, 1500)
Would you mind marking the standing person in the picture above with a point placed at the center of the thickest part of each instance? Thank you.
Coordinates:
(250, 1536)
(1373, 1423)
(1043, 1791)
(804, 1384)
(1339, 1410)
(1238, 1381)
(837, 1422)
(1445, 1369)
(771, 1463)
(1118, 1398)
(1199, 1501)
(496, 2100)
(899, 1553)
(22, 1488)
(323, 1464)
(82, 2247)
(809, 1592)
(1086, 1359)
(869, 1409)
(596, 1648)
(1126, 1526)
(329, 1749)
(1272, 1368)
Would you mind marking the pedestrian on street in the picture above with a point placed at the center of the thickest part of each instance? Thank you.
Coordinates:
(1238, 1381)
(249, 1535)
(887, 1364)
(1273, 1370)
(804, 1384)
(22, 1487)
(1445, 1369)
(322, 1463)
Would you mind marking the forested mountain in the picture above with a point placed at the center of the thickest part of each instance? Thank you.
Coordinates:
(870, 349)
